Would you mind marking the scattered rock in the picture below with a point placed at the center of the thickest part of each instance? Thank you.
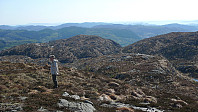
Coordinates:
(10, 107)
(84, 98)
(76, 97)
(177, 105)
(179, 102)
(140, 95)
(160, 71)
(113, 84)
(137, 93)
(128, 57)
(115, 97)
(33, 92)
(110, 90)
(127, 106)
(65, 94)
(87, 101)
(124, 109)
(42, 110)
(143, 103)
(22, 98)
(133, 71)
(105, 97)
(150, 99)
(76, 106)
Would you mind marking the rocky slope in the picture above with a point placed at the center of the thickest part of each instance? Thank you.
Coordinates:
(27, 87)
(142, 70)
(180, 48)
(67, 50)
(122, 82)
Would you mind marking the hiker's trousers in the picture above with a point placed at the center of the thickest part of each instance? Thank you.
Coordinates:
(54, 80)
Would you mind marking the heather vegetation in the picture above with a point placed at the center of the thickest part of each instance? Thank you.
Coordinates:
(67, 50)
(94, 76)
(122, 82)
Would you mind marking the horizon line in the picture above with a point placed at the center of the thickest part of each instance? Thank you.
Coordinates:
(157, 22)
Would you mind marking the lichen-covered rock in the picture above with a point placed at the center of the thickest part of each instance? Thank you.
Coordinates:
(129, 108)
(76, 106)
(12, 107)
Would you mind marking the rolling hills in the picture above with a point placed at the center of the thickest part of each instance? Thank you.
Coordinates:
(180, 48)
(18, 37)
(146, 31)
(121, 33)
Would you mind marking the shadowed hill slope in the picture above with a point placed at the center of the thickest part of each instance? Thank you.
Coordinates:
(180, 48)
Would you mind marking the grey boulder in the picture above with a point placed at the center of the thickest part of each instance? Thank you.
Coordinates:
(76, 106)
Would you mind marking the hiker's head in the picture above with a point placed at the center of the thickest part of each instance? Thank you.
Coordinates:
(52, 57)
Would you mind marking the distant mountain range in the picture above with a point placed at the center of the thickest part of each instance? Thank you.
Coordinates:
(41, 27)
(145, 31)
(9, 38)
(120, 33)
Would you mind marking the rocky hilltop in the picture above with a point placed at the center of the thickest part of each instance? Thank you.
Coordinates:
(67, 50)
(180, 48)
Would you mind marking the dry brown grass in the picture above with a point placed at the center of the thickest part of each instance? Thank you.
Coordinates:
(34, 84)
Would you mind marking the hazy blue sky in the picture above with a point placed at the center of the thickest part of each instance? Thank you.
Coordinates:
(15, 12)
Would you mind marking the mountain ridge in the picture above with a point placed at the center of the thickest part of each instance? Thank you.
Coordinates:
(121, 33)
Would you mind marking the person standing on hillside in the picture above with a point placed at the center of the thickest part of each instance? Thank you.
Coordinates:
(54, 70)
